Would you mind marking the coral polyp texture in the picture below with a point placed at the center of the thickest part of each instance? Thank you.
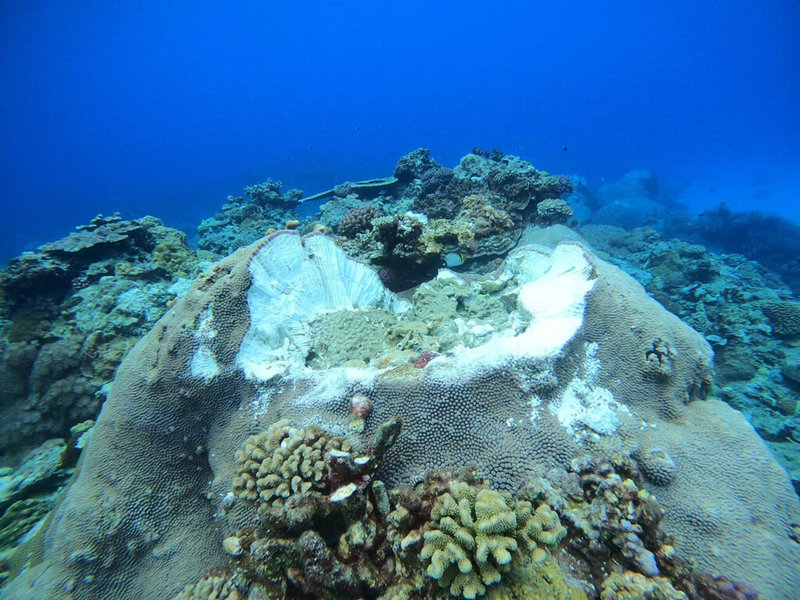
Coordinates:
(211, 587)
(551, 356)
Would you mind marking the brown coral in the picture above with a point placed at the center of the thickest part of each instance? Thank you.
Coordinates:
(213, 586)
(358, 220)
(283, 461)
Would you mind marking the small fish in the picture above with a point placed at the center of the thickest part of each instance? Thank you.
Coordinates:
(454, 259)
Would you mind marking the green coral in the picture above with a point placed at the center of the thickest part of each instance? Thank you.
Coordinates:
(536, 579)
(282, 461)
(476, 533)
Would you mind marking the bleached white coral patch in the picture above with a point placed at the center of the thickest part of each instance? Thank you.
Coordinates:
(552, 291)
(205, 326)
(204, 364)
(331, 384)
(293, 281)
(584, 408)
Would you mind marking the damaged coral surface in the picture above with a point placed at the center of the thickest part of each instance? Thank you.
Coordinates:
(567, 357)
(431, 387)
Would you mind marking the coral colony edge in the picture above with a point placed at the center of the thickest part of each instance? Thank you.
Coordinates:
(431, 387)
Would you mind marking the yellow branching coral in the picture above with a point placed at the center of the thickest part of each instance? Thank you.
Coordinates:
(476, 533)
(282, 461)
(211, 587)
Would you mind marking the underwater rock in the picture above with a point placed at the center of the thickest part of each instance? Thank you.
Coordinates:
(476, 210)
(42, 468)
(29, 492)
(769, 239)
(82, 257)
(228, 360)
(630, 202)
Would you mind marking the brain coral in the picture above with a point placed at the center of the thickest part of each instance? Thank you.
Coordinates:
(784, 316)
(571, 372)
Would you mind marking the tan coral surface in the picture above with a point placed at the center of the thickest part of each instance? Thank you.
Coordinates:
(148, 511)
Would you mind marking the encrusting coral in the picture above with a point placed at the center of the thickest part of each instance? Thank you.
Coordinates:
(213, 586)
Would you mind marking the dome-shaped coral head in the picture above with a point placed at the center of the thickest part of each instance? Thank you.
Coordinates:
(360, 406)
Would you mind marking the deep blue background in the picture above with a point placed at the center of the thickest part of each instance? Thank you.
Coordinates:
(167, 107)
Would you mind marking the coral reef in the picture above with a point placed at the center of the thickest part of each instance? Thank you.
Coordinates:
(244, 219)
(553, 211)
(414, 165)
(727, 298)
(617, 518)
(321, 514)
(358, 220)
(217, 586)
(769, 239)
(30, 491)
(634, 586)
(784, 316)
(478, 209)
(269, 193)
(578, 400)
(572, 372)
(475, 534)
(282, 462)
(68, 315)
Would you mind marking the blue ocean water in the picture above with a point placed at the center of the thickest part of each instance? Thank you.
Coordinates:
(165, 108)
